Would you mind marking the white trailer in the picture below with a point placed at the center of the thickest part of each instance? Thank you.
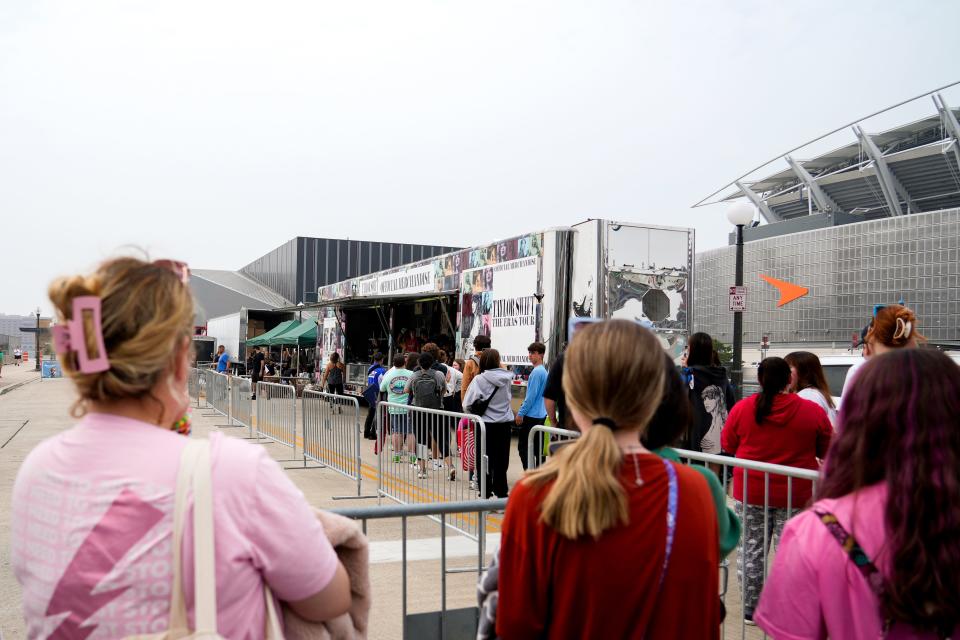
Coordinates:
(234, 329)
(519, 290)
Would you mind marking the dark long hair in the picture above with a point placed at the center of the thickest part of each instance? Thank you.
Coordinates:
(900, 424)
(674, 415)
(700, 350)
(774, 376)
(809, 373)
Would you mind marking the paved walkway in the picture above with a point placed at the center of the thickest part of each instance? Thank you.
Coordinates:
(12, 376)
(39, 410)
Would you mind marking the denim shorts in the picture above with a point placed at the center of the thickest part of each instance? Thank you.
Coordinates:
(399, 423)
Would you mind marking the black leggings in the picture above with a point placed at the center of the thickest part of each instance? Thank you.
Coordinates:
(498, 458)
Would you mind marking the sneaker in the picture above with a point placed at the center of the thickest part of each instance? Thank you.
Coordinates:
(438, 464)
(473, 485)
(748, 618)
(452, 476)
(422, 475)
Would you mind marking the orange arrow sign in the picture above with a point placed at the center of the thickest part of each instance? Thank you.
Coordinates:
(788, 292)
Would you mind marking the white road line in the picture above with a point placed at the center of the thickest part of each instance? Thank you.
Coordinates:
(385, 551)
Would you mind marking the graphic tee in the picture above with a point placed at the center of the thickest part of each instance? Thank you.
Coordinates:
(394, 382)
(91, 531)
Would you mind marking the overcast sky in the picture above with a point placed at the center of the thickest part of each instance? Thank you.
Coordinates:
(215, 131)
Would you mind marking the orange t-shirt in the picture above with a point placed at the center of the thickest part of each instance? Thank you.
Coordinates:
(553, 587)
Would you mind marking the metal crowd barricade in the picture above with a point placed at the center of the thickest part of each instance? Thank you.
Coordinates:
(193, 384)
(241, 405)
(755, 513)
(429, 456)
(218, 392)
(331, 434)
(541, 436)
(277, 413)
(457, 623)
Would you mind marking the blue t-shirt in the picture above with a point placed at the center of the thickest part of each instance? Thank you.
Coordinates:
(223, 363)
(533, 406)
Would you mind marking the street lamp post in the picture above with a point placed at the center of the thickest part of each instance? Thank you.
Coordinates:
(36, 347)
(739, 215)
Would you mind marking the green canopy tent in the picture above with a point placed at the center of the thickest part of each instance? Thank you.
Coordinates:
(262, 339)
(304, 335)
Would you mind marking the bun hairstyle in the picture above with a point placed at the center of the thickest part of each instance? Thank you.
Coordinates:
(586, 496)
(894, 326)
(147, 312)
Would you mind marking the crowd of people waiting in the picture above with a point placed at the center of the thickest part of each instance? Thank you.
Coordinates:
(610, 537)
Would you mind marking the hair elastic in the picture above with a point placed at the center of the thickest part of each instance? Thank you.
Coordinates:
(606, 422)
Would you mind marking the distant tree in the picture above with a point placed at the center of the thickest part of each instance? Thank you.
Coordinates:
(725, 352)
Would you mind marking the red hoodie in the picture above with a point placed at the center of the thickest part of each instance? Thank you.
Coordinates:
(795, 434)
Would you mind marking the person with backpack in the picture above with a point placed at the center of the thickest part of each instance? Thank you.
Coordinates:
(333, 375)
(426, 387)
(372, 394)
(489, 397)
(878, 554)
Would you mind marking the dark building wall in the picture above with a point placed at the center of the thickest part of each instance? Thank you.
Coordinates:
(297, 268)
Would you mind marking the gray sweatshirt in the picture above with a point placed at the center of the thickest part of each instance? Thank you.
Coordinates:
(492, 381)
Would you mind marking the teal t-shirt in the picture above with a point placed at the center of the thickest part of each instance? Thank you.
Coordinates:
(394, 382)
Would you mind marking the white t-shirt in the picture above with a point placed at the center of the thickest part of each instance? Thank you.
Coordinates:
(454, 381)
(816, 397)
(851, 375)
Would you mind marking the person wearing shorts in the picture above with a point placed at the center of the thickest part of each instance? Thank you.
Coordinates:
(17, 356)
(394, 382)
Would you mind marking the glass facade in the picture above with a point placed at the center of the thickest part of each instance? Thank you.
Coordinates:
(848, 269)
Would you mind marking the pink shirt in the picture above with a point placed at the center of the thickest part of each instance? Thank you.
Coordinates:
(814, 590)
(92, 524)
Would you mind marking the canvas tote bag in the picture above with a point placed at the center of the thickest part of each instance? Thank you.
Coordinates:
(195, 470)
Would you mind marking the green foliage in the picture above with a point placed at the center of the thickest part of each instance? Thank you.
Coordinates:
(725, 352)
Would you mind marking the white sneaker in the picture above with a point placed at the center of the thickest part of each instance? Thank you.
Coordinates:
(438, 464)
(422, 475)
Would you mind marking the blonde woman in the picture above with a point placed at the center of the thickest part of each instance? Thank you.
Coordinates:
(608, 540)
(92, 506)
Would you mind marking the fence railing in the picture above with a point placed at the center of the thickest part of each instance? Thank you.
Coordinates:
(241, 404)
(331, 434)
(445, 623)
(218, 392)
(429, 456)
(541, 439)
(193, 384)
(277, 413)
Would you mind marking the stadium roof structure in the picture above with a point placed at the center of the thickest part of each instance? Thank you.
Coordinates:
(911, 168)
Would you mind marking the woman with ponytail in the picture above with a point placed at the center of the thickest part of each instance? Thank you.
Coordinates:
(778, 427)
(878, 554)
(608, 540)
(93, 506)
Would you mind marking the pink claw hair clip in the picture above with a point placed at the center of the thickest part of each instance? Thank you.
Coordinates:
(71, 336)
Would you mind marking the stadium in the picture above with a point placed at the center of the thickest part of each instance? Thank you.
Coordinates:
(873, 221)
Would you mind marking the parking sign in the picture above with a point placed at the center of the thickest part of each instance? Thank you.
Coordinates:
(738, 298)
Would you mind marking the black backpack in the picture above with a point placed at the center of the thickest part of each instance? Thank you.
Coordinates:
(335, 376)
(425, 391)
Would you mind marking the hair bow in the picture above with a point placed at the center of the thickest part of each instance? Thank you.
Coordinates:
(71, 336)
